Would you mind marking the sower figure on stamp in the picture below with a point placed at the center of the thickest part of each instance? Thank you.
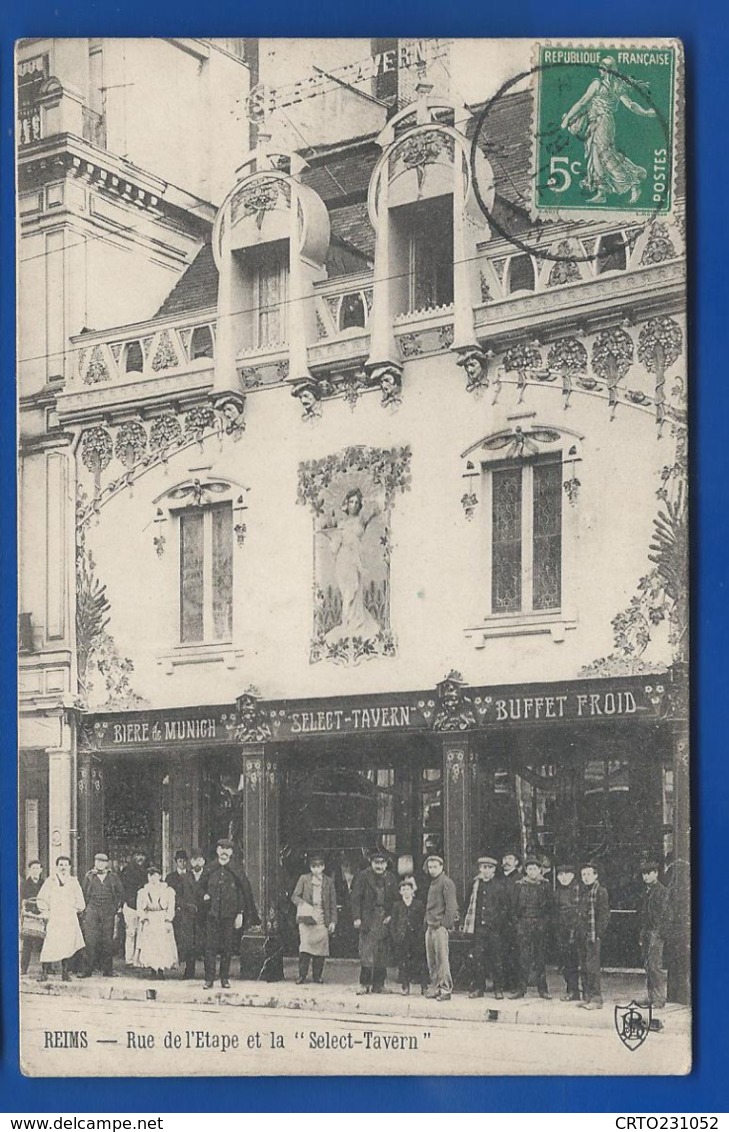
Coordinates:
(655, 923)
(566, 915)
(593, 919)
(103, 893)
(532, 906)
(133, 877)
(373, 894)
(441, 914)
(486, 920)
(181, 883)
(29, 890)
(315, 898)
(230, 906)
(407, 929)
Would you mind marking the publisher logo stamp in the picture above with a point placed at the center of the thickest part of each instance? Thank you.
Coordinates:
(604, 129)
(633, 1024)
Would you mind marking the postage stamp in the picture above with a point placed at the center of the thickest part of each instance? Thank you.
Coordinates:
(604, 138)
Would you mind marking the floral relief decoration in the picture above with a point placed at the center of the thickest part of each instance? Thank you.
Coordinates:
(104, 676)
(350, 495)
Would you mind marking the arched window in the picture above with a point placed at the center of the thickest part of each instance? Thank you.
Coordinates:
(201, 343)
(521, 274)
(352, 311)
(133, 358)
(612, 253)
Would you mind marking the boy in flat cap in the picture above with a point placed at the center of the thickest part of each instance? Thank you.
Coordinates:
(486, 919)
(655, 922)
(566, 914)
(532, 907)
(441, 914)
(407, 930)
(373, 894)
(593, 916)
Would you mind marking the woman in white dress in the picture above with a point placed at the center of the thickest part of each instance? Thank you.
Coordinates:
(61, 901)
(156, 946)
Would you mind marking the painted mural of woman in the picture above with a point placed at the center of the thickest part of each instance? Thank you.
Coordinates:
(592, 118)
(346, 543)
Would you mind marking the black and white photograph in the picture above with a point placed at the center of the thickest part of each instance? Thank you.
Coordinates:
(353, 557)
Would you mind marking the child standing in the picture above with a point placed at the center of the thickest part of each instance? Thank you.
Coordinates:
(407, 929)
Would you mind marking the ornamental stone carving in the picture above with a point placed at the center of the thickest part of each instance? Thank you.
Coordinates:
(455, 711)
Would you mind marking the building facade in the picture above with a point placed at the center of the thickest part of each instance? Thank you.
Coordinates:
(364, 521)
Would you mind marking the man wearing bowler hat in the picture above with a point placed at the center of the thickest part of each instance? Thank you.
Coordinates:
(593, 916)
(374, 893)
(441, 913)
(486, 919)
(230, 907)
(655, 920)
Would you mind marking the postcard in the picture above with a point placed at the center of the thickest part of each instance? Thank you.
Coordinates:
(353, 644)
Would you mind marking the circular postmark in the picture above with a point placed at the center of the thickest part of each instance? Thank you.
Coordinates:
(600, 147)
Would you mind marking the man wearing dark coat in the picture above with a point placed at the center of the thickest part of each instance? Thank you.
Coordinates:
(103, 893)
(593, 919)
(230, 907)
(133, 877)
(183, 924)
(199, 884)
(532, 906)
(407, 931)
(373, 894)
(566, 902)
(655, 923)
(488, 914)
(511, 874)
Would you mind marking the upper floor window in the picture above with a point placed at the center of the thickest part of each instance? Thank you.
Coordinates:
(271, 266)
(521, 274)
(430, 249)
(526, 536)
(133, 358)
(352, 311)
(612, 253)
(201, 343)
(206, 574)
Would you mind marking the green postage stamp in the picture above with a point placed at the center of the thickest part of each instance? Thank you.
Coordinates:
(604, 138)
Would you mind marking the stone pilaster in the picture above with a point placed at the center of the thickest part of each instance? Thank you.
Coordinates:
(460, 790)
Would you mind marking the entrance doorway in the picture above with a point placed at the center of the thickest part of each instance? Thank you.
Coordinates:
(347, 799)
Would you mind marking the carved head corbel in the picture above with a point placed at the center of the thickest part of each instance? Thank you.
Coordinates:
(389, 379)
(230, 408)
(475, 361)
(309, 395)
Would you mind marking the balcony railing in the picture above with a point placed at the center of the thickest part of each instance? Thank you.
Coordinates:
(144, 351)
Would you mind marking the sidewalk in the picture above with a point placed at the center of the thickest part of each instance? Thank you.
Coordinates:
(337, 996)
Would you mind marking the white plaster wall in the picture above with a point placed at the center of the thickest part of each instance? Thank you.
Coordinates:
(436, 584)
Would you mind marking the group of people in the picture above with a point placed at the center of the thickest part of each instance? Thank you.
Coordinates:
(193, 912)
(510, 913)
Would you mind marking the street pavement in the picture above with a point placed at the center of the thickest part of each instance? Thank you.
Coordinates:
(100, 1027)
